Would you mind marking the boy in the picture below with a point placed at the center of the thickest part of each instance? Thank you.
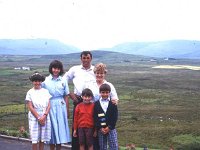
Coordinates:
(105, 117)
(83, 120)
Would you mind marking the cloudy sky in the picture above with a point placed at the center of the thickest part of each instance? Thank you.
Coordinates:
(92, 24)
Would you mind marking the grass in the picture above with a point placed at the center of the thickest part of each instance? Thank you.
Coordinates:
(186, 139)
(12, 109)
(158, 108)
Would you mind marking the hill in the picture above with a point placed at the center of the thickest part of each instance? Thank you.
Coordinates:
(187, 49)
(35, 47)
(173, 48)
(108, 57)
(70, 59)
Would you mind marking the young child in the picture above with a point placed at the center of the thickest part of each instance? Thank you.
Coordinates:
(105, 117)
(83, 120)
(39, 121)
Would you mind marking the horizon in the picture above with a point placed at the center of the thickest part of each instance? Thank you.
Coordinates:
(162, 49)
(104, 47)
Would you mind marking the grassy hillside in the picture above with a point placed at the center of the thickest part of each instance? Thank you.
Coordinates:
(158, 107)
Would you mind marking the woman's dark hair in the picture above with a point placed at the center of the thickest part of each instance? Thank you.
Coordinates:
(85, 53)
(56, 64)
(104, 87)
(37, 77)
(87, 92)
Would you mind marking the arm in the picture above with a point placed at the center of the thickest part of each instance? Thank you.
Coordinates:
(68, 76)
(95, 115)
(32, 110)
(113, 94)
(96, 120)
(66, 95)
(75, 133)
(67, 104)
(75, 123)
(48, 109)
(73, 97)
(43, 118)
(75, 126)
(113, 116)
(95, 132)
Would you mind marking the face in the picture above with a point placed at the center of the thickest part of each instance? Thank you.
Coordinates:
(100, 76)
(105, 94)
(87, 99)
(86, 60)
(55, 71)
(37, 84)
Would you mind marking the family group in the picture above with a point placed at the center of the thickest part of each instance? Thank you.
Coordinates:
(95, 110)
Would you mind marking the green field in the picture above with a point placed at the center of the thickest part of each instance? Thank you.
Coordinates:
(158, 107)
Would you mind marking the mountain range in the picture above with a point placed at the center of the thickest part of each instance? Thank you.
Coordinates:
(171, 49)
(189, 49)
(35, 47)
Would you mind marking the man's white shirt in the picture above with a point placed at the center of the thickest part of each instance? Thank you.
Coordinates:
(80, 77)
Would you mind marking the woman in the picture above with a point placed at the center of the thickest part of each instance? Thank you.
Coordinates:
(100, 73)
(59, 90)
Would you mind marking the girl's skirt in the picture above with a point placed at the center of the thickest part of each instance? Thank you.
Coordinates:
(39, 132)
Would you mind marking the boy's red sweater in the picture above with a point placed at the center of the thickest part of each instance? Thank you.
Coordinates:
(83, 117)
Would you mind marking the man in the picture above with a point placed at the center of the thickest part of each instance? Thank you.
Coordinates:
(80, 75)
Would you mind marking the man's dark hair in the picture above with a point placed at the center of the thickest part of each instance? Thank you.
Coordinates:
(104, 87)
(85, 53)
(56, 64)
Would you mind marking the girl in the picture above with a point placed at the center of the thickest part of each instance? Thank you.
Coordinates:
(83, 121)
(58, 88)
(39, 121)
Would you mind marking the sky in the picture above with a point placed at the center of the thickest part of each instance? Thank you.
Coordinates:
(95, 24)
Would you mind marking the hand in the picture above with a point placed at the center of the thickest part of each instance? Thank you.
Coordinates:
(106, 130)
(73, 97)
(114, 101)
(74, 133)
(42, 120)
(95, 133)
(102, 130)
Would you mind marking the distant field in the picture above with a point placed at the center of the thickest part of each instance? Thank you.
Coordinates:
(158, 108)
(177, 67)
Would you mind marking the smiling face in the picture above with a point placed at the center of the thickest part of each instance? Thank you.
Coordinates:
(100, 72)
(86, 99)
(100, 76)
(37, 84)
(86, 61)
(105, 94)
(55, 72)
